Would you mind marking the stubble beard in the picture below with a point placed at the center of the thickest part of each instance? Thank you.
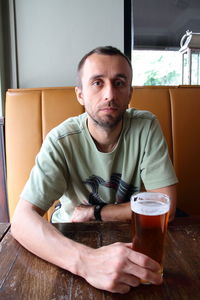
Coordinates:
(107, 123)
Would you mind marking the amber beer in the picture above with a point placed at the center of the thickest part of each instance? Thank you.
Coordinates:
(150, 213)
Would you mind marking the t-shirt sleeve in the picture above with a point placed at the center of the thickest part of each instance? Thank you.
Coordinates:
(48, 179)
(156, 168)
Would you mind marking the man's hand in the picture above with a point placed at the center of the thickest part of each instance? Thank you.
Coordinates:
(83, 213)
(117, 268)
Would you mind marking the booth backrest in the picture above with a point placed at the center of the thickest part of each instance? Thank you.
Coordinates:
(31, 113)
(156, 100)
(185, 107)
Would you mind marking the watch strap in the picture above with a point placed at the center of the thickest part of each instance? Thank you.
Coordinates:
(97, 211)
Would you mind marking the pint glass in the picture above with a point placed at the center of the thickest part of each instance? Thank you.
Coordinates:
(150, 212)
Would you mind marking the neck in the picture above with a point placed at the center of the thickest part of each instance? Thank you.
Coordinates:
(105, 138)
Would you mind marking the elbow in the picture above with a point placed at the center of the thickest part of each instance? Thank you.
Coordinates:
(15, 228)
(17, 224)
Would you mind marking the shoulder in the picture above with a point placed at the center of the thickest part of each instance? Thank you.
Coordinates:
(69, 127)
(141, 121)
(135, 114)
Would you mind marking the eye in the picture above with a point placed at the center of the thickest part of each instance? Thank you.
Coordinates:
(97, 83)
(119, 83)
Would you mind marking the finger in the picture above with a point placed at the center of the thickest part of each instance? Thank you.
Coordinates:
(120, 288)
(130, 280)
(73, 220)
(138, 258)
(144, 261)
(152, 277)
(126, 282)
(144, 274)
(141, 266)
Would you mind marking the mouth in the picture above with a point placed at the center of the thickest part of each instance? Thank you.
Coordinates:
(109, 108)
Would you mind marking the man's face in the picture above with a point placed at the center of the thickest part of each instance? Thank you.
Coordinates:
(106, 88)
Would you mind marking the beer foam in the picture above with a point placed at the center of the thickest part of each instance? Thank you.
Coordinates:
(149, 207)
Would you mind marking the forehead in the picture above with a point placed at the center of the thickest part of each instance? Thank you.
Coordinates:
(105, 65)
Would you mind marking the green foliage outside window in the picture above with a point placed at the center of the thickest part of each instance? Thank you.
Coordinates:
(156, 67)
(153, 78)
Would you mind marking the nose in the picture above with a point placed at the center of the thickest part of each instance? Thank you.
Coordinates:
(109, 92)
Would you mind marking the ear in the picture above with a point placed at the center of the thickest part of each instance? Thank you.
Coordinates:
(79, 95)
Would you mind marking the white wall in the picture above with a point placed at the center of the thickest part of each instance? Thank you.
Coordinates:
(53, 35)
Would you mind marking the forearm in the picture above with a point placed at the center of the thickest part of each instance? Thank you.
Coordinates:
(172, 193)
(44, 240)
(104, 267)
(116, 212)
(110, 212)
(122, 212)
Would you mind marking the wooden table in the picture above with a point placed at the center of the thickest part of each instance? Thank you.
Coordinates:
(24, 276)
(4, 227)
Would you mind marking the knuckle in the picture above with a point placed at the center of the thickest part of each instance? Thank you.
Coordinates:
(145, 274)
(121, 250)
(111, 286)
(115, 277)
(143, 260)
(119, 265)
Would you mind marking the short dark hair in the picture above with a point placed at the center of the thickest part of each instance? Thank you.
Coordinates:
(106, 50)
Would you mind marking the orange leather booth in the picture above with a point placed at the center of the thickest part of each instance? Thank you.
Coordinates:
(31, 113)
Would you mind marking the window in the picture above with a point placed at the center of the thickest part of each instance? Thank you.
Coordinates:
(153, 67)
(157, 27)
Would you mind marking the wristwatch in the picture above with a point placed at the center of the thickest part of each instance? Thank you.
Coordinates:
(97, 211)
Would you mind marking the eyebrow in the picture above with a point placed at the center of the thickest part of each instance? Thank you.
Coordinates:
(118, 75)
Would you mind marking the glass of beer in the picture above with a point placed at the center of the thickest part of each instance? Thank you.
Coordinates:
(150, 213)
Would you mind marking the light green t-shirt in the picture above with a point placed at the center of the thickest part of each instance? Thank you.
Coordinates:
(69, 167)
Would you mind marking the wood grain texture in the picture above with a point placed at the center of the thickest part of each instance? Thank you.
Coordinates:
(3, 229)
(25, 276)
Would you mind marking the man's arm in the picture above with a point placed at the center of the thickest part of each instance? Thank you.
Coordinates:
(172, 193)
(121, 212)
(114, 268)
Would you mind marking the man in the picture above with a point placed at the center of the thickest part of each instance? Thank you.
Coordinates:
(93, 163)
